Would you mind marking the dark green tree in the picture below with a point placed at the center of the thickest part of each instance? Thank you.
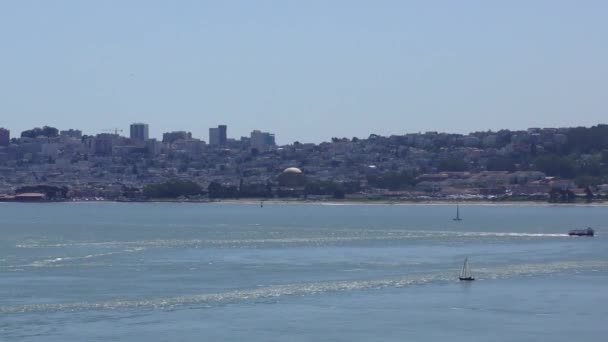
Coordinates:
(172, 189)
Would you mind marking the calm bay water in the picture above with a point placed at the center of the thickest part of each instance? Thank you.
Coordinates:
(286, 272)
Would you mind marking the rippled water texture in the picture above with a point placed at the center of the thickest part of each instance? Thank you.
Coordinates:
(286, 272)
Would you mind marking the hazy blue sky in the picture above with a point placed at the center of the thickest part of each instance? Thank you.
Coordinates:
(306, 70)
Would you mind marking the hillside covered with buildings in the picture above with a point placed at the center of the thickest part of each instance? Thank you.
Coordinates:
(547, 164)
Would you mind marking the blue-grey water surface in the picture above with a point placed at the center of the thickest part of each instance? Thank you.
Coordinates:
(288, 272)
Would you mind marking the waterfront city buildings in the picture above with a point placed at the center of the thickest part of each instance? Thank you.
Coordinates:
(558, 164)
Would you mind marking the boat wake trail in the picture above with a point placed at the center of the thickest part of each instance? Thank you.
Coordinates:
(501, 234)
(70, 260)
(316, 240)
(302, 289)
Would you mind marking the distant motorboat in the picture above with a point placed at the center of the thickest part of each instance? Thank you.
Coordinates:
(465, 273)
(457, 218)
(582, 232)
(261, 204)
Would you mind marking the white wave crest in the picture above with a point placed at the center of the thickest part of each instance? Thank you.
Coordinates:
(59, 261)
(353, 236)
(304, 289)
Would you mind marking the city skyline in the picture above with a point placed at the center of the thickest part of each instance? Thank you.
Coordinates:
(255, 131)
(307, 71)
(183, 134)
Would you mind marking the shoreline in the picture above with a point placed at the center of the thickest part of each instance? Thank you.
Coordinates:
(412, 203)
(275, 201)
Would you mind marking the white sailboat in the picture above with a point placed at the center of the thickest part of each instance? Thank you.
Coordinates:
(457, 218)
(465, 273)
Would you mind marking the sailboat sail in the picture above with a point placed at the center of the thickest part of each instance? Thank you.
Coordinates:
(457, 218)
(465, 273)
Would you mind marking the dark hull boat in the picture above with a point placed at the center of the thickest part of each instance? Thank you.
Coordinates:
(582, 232)
(465, 273)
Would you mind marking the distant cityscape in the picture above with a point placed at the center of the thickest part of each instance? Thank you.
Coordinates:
(540, 164)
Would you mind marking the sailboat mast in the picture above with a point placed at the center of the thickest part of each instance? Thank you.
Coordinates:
(463, 273)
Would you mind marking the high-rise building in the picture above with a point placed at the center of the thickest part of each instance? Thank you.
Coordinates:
(218, 136)
(5, 137)
(139, 131)
(262, 141)
(223, 134)
(104, 144)
(214, 136)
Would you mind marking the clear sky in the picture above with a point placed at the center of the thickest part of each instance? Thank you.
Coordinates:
(306, 70)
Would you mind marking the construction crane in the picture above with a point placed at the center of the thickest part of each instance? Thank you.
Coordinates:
(113, 130)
